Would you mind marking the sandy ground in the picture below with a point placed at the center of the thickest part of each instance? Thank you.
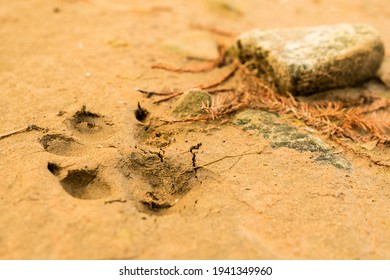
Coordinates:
(84, 187)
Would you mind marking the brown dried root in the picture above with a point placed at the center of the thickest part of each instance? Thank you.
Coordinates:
(170, 95)
(335, 118)
(239, 156)
(216, 107)
(205, 68)
(214, 30)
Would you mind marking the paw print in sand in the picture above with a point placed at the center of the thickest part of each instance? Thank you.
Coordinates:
(143, 175)
(80, 173)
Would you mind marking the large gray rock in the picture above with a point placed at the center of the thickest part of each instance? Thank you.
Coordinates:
(307, 60)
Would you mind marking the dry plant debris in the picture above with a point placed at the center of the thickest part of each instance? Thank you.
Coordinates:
(364, 119)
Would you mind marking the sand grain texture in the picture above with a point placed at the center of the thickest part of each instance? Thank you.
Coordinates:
(96, 185)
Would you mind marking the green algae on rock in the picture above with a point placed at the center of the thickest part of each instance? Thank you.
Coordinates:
(312, 59)
(282, 135)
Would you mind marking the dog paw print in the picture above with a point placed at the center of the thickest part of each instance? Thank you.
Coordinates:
(80, 174)
(81, 183)
(61, 145)
(151, 179)
(87, 122)
(159, 180)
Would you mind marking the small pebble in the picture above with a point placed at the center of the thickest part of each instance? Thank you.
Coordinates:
(191, 102)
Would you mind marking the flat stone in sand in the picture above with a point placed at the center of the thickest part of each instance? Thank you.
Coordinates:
(311, 59)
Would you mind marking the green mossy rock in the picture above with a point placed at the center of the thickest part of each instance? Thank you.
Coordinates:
(312, 59)
(282, 135)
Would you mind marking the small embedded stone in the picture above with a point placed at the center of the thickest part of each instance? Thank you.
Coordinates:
(306, 60)
(191, 102)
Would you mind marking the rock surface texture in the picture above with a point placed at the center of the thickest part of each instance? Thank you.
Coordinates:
(384, 72)
(307, 60)
(191, 102)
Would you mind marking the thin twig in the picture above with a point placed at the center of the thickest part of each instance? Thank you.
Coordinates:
(115, 200)
(201, 86)
(231, 156)
(234, 164)
(20, 130)
(221, 80)
(151, 93)
(211, 91)
(213, 30)
(169, 97)
(194, 119)
(195, 168)
(205, 68)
